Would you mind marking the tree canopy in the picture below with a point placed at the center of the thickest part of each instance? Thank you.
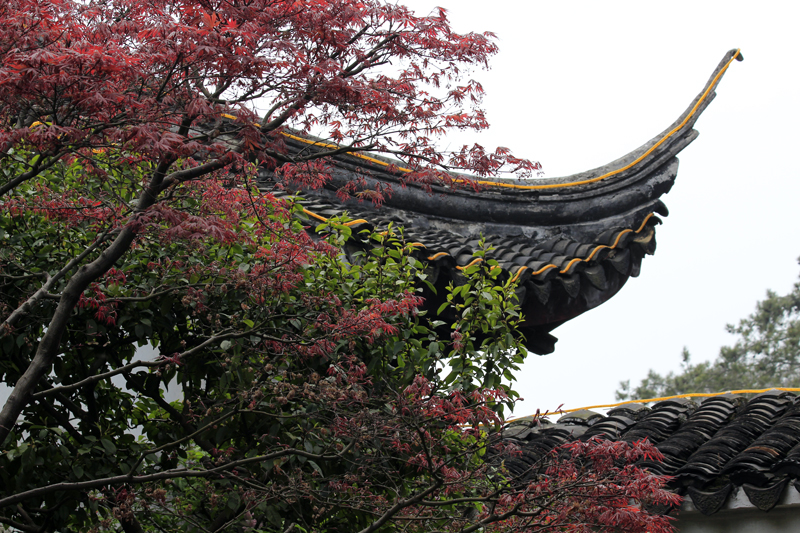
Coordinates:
(312, 393)
(766, 354)
(311, 389)
(153, 85)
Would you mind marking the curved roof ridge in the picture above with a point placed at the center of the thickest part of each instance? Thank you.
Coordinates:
(630, 184)
(634, 158)
(677, 131)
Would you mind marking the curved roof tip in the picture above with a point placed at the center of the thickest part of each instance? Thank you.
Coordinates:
(629, 187)
(673, 140)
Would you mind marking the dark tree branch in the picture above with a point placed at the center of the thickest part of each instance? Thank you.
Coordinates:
(96, 378)
(35, 170)
(399, 506)
(196, 172)
(184, 439)
(49, 344)
(168, 474)
(44, 290)
(21, 527)
(63, 421)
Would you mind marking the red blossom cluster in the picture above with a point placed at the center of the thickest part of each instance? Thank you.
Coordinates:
(72, 208)
(94, 298)
(589, 486)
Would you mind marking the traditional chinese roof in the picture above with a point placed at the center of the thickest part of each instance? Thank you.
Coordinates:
(716, 448)
(570, 242)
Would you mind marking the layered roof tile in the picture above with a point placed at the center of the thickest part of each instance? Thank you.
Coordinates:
(712, 447)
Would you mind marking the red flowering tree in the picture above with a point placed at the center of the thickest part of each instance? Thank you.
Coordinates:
(139, 265)
(154, 84)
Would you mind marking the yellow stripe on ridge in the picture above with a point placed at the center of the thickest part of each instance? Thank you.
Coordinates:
(473, 262)
(633, 163)
(663, 398)
(323, 219)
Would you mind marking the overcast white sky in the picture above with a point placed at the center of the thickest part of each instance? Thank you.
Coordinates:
(578, 84)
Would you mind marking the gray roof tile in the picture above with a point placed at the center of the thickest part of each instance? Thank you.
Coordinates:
(709, 447)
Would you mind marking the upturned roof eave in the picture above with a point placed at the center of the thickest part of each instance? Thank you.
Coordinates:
(633, 181)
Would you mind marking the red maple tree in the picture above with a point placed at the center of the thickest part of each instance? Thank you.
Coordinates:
(130, 131)
(155, 82)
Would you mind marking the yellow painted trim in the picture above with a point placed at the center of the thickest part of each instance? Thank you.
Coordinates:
(644, 222)
(336, 147)
(437, 256)
(569, 265)
(688, 395)
(633, 163)
(323, 219)
(543, 269)
(663, 398)
(519, 271)
(478, 260)
(602, 246)
(473, 262)
(638, 159)
(312, 214)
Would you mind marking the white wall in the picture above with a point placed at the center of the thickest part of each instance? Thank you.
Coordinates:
(778, 520)
(738, 515)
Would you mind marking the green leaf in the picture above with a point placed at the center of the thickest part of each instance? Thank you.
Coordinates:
(316, 468)
(108, 445)
(233, 501)
(433, 348)
(44, 251)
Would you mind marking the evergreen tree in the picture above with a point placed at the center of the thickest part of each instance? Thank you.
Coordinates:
(766, 354)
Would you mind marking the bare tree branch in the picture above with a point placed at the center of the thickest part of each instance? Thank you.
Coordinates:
(167, 474)
(97, 377)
